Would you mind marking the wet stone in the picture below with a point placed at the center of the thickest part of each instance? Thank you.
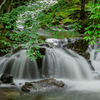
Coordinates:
(7, 78)
(39, 86)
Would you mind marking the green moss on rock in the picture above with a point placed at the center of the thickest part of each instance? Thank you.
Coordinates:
(61, 13)
(68, 21)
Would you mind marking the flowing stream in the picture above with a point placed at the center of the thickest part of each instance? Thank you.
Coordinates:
(95, 56)
(64, 63)
(20, 66)
(59, 63)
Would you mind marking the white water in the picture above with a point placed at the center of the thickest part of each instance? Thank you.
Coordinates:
(64, 63)
(95, 56)
(20, 66)
(59, 63)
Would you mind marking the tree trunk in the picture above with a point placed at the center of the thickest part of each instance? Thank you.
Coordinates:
(10, 6)
(96, 1)
(3, 3)
(82, 13)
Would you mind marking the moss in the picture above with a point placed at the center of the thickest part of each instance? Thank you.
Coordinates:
(68, 21)
(77, 1)
(61, 13)
(1, 26)
(3, 37)
(87, 6)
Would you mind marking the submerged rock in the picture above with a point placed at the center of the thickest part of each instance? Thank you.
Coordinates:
(20, 83)
(41, 85)
(9, 94)
(13, 84)
(7, 78)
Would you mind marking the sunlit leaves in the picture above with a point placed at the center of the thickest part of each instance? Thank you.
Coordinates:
(93, 30)
(26, 37)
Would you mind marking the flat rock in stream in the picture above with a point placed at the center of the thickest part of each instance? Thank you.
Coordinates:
(42, 85)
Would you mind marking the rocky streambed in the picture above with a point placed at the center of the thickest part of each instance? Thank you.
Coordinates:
(10, 91)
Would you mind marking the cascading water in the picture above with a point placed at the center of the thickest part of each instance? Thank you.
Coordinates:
(64, 63)
(95, 58)
(20, 66)
(60, 63)
(57, 63)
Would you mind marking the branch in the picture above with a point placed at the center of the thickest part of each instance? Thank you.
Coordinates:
(2, 3)
(9, 8)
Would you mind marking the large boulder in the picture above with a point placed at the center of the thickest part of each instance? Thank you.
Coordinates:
(7, 78)
(78, 45)
(41, 85)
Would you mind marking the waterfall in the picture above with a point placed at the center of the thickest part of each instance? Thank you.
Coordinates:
(20, 66)
(64, 63)
(59, 62)
(95, 56)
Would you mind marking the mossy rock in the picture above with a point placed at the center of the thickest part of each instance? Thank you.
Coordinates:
(42, 85)
(79, 46)
(61, 13)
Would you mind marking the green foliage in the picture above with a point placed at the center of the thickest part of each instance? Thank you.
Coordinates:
(93, 30)
(61, 13)
(75, 27)
(27, 36)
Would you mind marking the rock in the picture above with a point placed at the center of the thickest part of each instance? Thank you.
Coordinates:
(0, 83)
(78, 45)
(20, 83)
(7, 78)
(31, 87)
(13, 84)
(45, 45)
(41, 85)
(42, 50)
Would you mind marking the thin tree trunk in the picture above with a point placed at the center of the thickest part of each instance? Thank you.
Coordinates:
(3, 3)
(9, 8)
(82, 13)
(96, 1)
